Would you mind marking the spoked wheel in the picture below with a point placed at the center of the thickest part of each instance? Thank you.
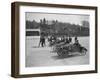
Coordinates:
(83, 51)
(63, 53)
(59, 53)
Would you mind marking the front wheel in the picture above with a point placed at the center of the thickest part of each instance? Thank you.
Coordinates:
(83, 51)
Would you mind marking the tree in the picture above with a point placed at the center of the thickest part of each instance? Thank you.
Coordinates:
(85, 23)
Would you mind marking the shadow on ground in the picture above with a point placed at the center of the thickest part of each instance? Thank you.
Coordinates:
(63, 57)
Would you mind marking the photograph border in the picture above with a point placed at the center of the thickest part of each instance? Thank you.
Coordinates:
(15, 32)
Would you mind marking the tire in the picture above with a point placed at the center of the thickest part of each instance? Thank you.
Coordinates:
(65, 53)
(84, 51)
(59, 53)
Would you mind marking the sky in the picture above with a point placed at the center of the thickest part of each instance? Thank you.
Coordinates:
(68, 18)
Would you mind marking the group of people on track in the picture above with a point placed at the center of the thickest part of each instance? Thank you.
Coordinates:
(53, 38)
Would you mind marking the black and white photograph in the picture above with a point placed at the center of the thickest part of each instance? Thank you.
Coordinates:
(52, 39)
(56, 39)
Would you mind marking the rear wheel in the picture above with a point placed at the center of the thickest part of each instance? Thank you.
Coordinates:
(65, 53)
(59, 53)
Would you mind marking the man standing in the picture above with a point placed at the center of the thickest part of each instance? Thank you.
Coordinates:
(42, 40)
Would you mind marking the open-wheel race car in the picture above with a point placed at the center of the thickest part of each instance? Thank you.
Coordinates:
(57, 46)
(65, 50)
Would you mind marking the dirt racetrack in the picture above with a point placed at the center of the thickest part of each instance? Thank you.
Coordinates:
(42, 56)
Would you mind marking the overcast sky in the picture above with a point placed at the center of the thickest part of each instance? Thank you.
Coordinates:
(69, 18)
